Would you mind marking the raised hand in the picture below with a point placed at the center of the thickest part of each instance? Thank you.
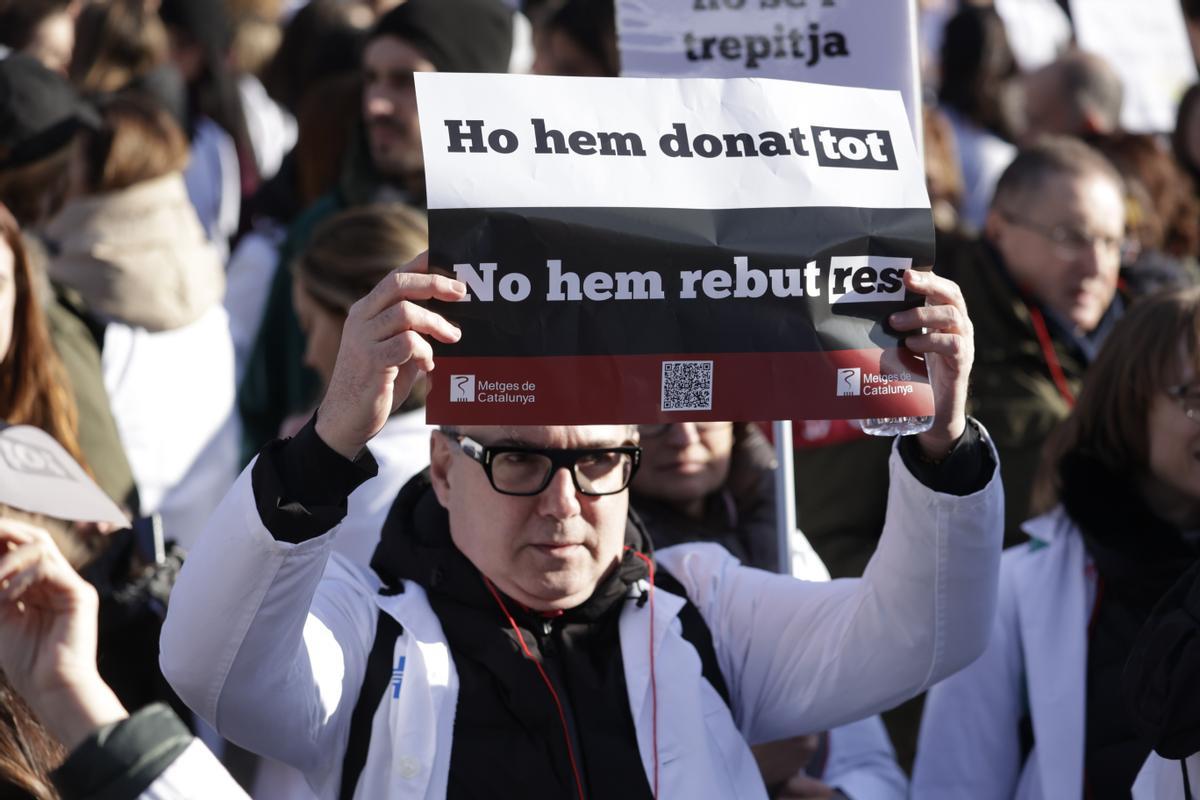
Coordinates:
(384, 349)
(949, 349)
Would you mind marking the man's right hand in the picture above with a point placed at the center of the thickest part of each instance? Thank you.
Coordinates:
(384, 349)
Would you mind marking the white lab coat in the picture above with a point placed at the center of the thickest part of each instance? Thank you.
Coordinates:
(1036, 661)
(269, 641)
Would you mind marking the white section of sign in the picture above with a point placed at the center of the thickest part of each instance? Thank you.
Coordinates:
(869, 44)
(1147, 44)
(867, 279)
(505, 141)
(1038, 30)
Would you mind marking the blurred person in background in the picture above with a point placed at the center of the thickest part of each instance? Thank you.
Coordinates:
(1042, 288)
(134, 251)
(123, 45)
(577, 38)
(714, 482)
(271, 129)
(313, 76)
(117, 43)
(977, 67)
(383, 164)
(44, 130)
(323, 38)
(42, 29)
(1078, 95)
(128, 244)
(943, 175)
(326, 130)
(348, 255)
(221, 168)
(33, 384)
(1040, 714)
(148, 285)
(1162, 214)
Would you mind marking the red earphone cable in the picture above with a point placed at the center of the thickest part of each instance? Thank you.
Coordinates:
(1048, 353)
(546, 680)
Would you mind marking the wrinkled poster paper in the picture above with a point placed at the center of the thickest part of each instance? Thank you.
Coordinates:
(641, 250)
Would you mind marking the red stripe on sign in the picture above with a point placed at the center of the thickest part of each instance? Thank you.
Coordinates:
(578, 390)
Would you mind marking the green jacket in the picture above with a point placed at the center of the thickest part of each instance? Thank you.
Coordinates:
(77, 338)
(1013, 392)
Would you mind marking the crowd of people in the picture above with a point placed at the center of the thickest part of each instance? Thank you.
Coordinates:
(236, 561)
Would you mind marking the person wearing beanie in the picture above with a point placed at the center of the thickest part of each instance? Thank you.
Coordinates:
(419, 36)
(43, 127)
(40, 115)
(383, 163)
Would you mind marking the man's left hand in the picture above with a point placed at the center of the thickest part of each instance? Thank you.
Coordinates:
(948, 345)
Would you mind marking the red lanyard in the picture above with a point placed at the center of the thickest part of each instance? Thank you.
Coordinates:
(1051, 355)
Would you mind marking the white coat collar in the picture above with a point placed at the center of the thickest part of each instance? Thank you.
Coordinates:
(1054, 603)
(635, 630)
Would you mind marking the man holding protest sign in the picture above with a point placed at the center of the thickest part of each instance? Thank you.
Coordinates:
(516, 635)
(523, 657)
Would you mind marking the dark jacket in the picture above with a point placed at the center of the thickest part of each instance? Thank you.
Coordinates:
(740, 516)
(1162, 676)
(77, 340)
(1013, 392)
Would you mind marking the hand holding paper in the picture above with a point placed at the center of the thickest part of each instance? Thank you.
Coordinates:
(384, 349)
(949, 349)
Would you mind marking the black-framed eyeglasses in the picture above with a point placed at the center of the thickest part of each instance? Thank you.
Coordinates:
(1188, 397)
(653, 431)
(1069, 243)
(524, 471)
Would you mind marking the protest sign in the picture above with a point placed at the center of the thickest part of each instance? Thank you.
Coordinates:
(839, 42)
(1038, 31)
(1146, 43)
(638, 250)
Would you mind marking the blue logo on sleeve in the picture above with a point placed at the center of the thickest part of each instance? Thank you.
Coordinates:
(397, 677)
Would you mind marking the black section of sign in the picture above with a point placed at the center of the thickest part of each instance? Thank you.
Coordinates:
(672, 243)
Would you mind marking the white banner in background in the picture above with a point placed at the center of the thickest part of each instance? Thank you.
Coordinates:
(867, 44)
(1146, 42)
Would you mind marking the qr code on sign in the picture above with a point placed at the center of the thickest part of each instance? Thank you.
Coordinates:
(687, 385)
